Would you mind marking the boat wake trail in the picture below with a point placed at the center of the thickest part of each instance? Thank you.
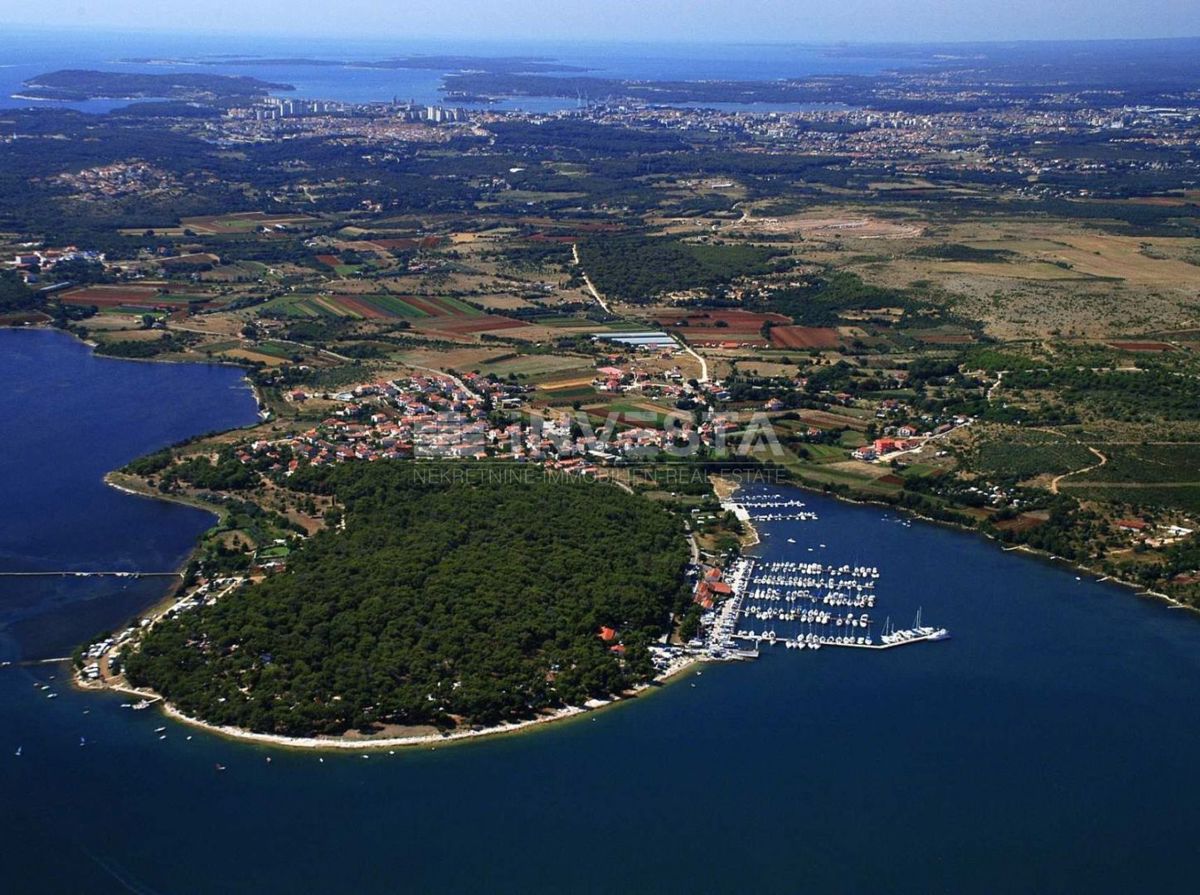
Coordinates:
(126, 881)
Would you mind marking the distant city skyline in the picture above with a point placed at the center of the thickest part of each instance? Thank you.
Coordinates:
(626, 20)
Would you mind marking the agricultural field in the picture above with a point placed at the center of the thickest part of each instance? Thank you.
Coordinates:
(460, 359)
(278, 350)
(768, 369)
(255, 355)
(910, 293)
(303, 306)
(455, 318)
(1028, 459)
(820, 337)
(133, 299)
(242, 222)
(536, 367)
(502, 302)
(436, 313)
(717, 327)
(632, 413)
(554, 393)
(824, 419)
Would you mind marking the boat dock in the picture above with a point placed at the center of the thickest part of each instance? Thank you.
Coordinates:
(912, 636)
(776, 510)
(804, 605)
(90, 574)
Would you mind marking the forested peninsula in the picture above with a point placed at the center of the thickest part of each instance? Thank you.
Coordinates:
(437, 600)
(77, 85)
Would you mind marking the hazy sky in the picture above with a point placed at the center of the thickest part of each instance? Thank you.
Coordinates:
(711, 20)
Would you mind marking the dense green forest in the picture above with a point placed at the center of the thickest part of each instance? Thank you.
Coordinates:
(958, 252)
(14, 294)
(823, 300)
(439, 602)
(81, 84)
(140, 349)
(637, 268)
(227, 474)
(1143, 395)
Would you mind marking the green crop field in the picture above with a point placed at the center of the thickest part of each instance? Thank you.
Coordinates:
(393, 305)
(276, 349)
(535, 365)
(825, 453)
(454, 306)
(297, 306)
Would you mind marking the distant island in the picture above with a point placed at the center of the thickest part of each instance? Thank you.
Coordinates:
(76, 85)
(969, 79)
(497, 64)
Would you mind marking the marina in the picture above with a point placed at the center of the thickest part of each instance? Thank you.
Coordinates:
(89, 574)
(769, 509)
(799, 605)
(996, 730)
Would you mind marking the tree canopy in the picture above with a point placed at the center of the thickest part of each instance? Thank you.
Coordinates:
(439, 601)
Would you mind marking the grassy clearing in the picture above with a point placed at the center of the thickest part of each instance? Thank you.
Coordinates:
(534, 366)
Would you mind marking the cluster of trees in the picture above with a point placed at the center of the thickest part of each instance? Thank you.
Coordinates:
(150, 463)
(439, 601)
(14, 294)
(83, 84)
(533, 256)
(1151, 393)
(994, 360)
(226, 474)
(952, 251)
(638, 268)
(141, 348)
(822, 300)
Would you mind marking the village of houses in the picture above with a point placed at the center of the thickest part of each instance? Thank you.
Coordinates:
(439, 415)
(442, 416)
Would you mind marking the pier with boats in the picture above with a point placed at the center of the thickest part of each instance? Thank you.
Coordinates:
(69, 573)
(769, 509)
(800, 604)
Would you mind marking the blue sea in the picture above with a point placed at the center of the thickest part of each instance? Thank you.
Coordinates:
(1048, 747)
(26, 53)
